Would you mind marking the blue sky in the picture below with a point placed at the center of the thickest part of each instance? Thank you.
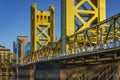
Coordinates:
(15, 17)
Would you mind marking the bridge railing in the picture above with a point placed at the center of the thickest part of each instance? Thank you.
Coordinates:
(103, 35)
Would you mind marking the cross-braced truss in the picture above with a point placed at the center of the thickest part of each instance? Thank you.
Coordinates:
(42, 27)
(78, 15)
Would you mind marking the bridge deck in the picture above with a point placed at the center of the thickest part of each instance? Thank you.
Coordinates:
(106, 49)
(111, 54)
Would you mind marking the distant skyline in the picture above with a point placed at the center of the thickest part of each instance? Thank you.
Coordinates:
(15, 17)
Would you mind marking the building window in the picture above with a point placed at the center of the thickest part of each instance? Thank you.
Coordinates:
(4, 56)
(41, 17)
(37, 17)
(4, 69)
(45, 19)
(48, 19)
(0, 57)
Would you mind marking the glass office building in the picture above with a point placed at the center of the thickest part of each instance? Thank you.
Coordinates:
(27, 49)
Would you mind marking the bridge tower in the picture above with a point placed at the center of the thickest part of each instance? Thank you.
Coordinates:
(42, 27)
(80, 14)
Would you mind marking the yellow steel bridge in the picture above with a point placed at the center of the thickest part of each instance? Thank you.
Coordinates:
(86, 34)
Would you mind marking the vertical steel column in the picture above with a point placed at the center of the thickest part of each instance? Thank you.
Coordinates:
(63, 24)
(101, 4)
(34, 71)
(31, 72)
(33, 28)
(101, 36)
(42, 27)
(78, 15)
(17, 70)
(52, 21)
(113, 24)
(101, 42)
(67, 21)
(97, 33)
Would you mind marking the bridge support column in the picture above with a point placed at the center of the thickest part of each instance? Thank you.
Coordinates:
(47, 71)
(31, 73)
(34, 71)
(26, 72)
(77, 15)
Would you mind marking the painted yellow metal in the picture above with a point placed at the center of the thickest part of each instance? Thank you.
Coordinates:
(26, 59)
(83, 14)
(42, 27)
(78, 15)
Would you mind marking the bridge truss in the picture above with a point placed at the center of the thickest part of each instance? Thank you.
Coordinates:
(85, 46)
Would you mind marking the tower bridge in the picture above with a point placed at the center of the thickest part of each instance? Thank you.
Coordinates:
(88, 40)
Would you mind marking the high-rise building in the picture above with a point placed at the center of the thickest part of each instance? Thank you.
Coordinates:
(14, 47)
(27, 49)
(21, 42)
(5, 62)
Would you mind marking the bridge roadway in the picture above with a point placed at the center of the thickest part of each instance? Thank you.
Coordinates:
(106, 41)
(77, 62)
(66, 66)
(78, 56)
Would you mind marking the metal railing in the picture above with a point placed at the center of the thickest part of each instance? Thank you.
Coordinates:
(103, 35)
